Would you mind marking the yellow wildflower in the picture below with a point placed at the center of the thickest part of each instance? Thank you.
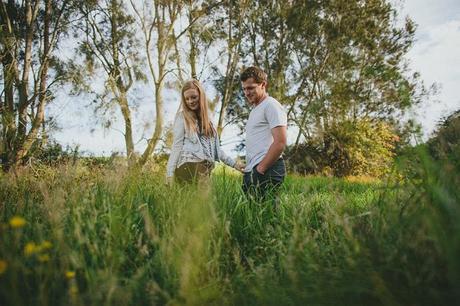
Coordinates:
(73, 290)
(30, 248)
(17, 222)
(70, 274)
(46, 245)
(3, 266)
(43, 258)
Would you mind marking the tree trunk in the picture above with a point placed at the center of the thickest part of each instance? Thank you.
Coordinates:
(126, 112)
(158, 125)
(24, 147)
(164, 46)
(193, 53)
(233, 44)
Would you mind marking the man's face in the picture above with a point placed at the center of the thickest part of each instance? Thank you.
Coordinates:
(254, 92)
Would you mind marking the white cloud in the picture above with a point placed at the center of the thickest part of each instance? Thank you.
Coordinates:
(427, 13)
(435, 55)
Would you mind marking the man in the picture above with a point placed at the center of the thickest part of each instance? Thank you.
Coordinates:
(266, 131)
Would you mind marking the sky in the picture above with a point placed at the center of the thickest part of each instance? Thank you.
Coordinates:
(435, 55)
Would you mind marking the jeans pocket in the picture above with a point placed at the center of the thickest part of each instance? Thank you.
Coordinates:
(259, 178)
(255, 175)
(278, 169)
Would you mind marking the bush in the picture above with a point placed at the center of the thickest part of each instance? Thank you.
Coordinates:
(445, 145)
(52, 153)
(361, 148)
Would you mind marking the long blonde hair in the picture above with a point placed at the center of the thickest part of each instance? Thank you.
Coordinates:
(191, 124)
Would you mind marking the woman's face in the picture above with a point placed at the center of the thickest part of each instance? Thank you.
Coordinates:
(192, 99)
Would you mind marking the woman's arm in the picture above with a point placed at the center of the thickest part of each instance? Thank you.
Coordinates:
(225, 158)
(178, 143)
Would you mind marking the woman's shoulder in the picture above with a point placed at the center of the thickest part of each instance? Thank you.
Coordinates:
(179, 116)
(179, 122)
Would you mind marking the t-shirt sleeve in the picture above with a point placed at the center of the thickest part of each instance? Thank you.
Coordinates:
(275, 115)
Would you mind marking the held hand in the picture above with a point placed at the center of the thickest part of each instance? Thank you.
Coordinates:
(260, 169)
(240, 166)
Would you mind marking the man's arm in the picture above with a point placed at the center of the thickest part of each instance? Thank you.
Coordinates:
(279, 134)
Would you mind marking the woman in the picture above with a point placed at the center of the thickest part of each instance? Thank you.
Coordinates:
(195, 144)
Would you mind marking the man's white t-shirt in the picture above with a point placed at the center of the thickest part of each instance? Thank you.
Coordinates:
(267, 115)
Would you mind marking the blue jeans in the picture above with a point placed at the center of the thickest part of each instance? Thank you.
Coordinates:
(262, 187)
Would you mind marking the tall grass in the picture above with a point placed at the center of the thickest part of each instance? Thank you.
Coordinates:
(114, 237)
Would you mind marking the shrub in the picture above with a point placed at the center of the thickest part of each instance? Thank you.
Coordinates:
(363, 148)
(53, 153)
(445, 145)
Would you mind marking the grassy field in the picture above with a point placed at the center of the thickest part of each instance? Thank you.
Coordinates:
(74, 235)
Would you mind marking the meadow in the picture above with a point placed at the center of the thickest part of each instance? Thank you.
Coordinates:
(83, 235)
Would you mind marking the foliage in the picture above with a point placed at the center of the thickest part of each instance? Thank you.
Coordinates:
(445, 144)
(109, 48)
(30, 35)
(361, 148)
(332, 61)
(80, 235)
(328, 62)
(52, 153)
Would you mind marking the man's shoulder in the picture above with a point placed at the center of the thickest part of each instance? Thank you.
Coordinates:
(270, 99)
(272, 103)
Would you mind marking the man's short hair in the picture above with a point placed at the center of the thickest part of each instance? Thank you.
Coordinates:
(256, 73)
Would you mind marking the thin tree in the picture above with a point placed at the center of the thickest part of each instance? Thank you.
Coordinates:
(30, 32)
(157, 20)
(236, 14)
(109, 41)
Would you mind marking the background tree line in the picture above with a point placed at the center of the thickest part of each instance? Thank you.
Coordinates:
(337, 66)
